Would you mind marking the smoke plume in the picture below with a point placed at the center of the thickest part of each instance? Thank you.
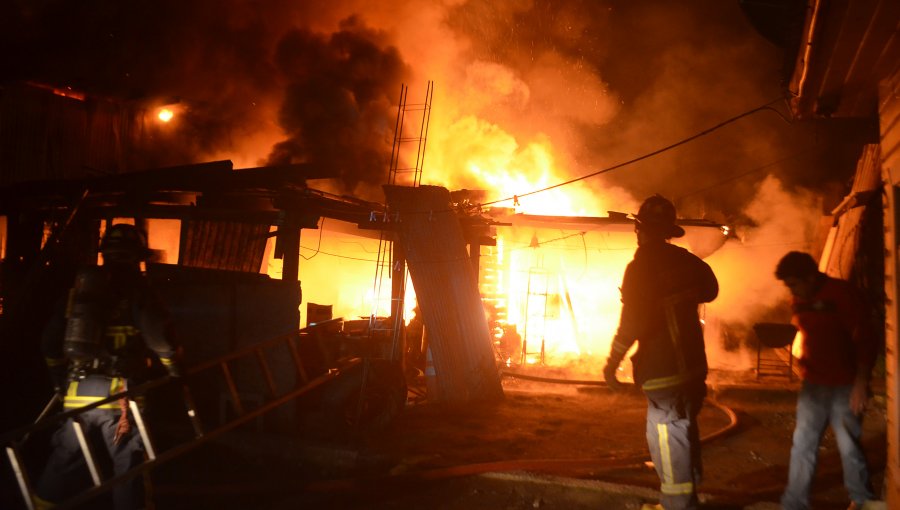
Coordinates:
(338, 100)
(528, 94)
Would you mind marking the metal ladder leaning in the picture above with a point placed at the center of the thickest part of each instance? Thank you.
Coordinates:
(14, 440)
(410, 174)
(536, 306)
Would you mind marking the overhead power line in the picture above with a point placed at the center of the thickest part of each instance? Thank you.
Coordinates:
(766, 106)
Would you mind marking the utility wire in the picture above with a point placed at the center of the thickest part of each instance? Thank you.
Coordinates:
(766, 106)
(321, 228)
(336, 255)
(748, 172)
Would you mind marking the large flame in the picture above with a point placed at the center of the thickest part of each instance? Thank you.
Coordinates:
(553, 294)
(513, 132)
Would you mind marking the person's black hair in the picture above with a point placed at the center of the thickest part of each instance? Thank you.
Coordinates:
(796, 264)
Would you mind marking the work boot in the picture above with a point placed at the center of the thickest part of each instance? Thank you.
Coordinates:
(651, 506)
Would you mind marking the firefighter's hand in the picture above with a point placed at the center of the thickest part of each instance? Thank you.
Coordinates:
(609, 374)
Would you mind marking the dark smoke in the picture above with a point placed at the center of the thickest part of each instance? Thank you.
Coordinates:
(212, 57)
(604, 80)
(226, 63)
(674, 69)
(339, 106)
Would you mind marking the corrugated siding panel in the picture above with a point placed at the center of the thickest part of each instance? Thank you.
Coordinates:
(889, 119)
(46, 136)
(228, 245)
(447, 293)
(110, 136)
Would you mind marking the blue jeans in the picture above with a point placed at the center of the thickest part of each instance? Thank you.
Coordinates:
(817, 407)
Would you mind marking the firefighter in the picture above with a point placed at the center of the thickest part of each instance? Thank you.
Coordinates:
(114, 333)
(662, 289)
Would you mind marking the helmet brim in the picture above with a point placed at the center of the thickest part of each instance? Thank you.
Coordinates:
(668, 231)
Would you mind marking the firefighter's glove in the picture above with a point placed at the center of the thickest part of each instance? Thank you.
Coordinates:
(609, 374)
(172, 364)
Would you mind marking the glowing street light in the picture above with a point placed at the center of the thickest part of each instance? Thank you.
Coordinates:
(165, 114)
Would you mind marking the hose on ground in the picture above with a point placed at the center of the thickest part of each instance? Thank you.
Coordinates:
(560, 467)
(548, 466)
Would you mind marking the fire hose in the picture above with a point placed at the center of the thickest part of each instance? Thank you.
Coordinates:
(549, 466)
(559, 467)
(732, 417)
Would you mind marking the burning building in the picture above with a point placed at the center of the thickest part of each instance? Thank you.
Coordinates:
(529, 96)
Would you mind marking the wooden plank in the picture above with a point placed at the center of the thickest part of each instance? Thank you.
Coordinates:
(842, 258)
(889, 111)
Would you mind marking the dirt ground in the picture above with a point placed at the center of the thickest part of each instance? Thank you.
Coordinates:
(552, 446)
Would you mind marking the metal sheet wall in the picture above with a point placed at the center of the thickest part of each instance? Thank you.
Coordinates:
(48, 136)
(230, 245)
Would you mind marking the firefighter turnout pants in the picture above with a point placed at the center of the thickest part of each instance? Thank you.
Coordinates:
(66, 473)
(674, 441)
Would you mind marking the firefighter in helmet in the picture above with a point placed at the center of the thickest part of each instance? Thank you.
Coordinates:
(113, 333)
(662, 289)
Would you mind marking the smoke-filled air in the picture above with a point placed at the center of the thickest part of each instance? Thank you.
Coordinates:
(527, 94)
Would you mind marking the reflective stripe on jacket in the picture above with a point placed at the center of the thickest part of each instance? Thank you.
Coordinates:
(662, 289)
(93, 389)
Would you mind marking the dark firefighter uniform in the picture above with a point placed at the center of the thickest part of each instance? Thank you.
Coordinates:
(661, 291)
(113, 334)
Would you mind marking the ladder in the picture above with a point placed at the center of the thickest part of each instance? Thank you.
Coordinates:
(405, 169)
(222, 367)
(536, 313)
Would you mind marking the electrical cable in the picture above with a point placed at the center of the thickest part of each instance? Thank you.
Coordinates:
(766, 106)
(321, 228)
(746, 173)
(337, 256)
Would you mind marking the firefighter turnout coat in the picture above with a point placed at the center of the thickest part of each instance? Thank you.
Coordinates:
(662, 289)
